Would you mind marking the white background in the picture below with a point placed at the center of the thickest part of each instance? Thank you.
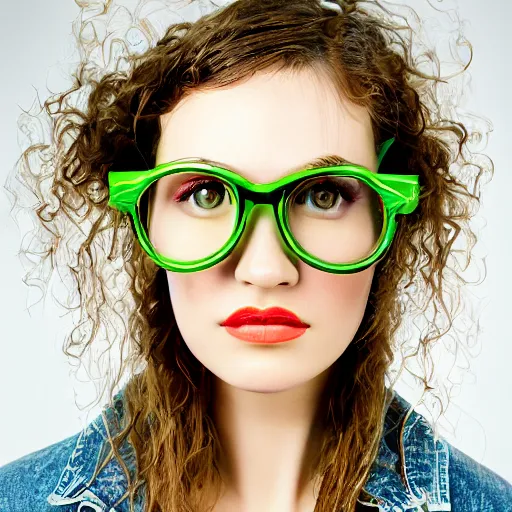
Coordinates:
(37, 393)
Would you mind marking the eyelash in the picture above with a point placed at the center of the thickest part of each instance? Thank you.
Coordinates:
(190, 187)
(343, 189)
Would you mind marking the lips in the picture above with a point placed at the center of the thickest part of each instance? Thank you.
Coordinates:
(272, 325)
(270, 316)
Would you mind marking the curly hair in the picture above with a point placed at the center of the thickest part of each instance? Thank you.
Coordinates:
(109, 120)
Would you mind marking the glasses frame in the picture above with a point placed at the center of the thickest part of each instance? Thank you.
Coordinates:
(399, 195)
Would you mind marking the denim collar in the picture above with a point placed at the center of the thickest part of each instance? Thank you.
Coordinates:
(410, 472)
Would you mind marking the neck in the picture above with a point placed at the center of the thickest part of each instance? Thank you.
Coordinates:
(270, 442)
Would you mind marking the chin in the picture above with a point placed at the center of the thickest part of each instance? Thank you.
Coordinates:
(263, 382)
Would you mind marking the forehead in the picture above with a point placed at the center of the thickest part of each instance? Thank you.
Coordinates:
(268, 126)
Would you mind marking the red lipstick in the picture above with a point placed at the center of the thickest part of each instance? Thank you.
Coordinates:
(272, 325)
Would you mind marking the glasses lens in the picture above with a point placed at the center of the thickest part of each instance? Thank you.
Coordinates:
(337, 219)
(191, 215)
(188, 215)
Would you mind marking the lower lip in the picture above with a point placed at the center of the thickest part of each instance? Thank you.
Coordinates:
(266, 333)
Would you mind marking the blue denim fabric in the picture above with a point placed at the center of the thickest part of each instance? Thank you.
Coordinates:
(412, 472)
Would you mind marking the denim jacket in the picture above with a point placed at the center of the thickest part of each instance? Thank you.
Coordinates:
(413, 471)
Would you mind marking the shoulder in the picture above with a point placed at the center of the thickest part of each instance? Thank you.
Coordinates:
(79, 473)
(26, 482)
(417, 470)
(474, 487)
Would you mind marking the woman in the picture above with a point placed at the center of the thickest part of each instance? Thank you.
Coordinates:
(272, 185)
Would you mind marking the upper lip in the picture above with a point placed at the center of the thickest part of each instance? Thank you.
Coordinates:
(270, 316)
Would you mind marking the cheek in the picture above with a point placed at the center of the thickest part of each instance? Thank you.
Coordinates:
(191, 304)
(195, 299)
(339, 287)
(188, 289)
(337, 301)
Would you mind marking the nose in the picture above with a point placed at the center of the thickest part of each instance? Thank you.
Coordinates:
(263, 259)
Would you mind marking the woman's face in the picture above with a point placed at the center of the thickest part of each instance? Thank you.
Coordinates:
(265, 128)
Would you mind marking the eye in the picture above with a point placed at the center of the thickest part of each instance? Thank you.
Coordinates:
(327, 193)
(206, 193)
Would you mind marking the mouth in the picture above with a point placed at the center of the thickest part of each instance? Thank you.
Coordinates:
(272, 325)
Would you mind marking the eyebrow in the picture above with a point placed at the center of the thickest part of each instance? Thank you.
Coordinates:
(323, 161)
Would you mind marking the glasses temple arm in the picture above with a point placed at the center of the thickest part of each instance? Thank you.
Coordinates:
(383, 150)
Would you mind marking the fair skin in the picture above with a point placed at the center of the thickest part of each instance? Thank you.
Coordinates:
(266, 396)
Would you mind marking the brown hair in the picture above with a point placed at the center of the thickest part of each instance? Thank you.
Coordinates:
(169, 420)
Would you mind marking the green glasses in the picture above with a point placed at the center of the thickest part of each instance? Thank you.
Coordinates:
(189, 216)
